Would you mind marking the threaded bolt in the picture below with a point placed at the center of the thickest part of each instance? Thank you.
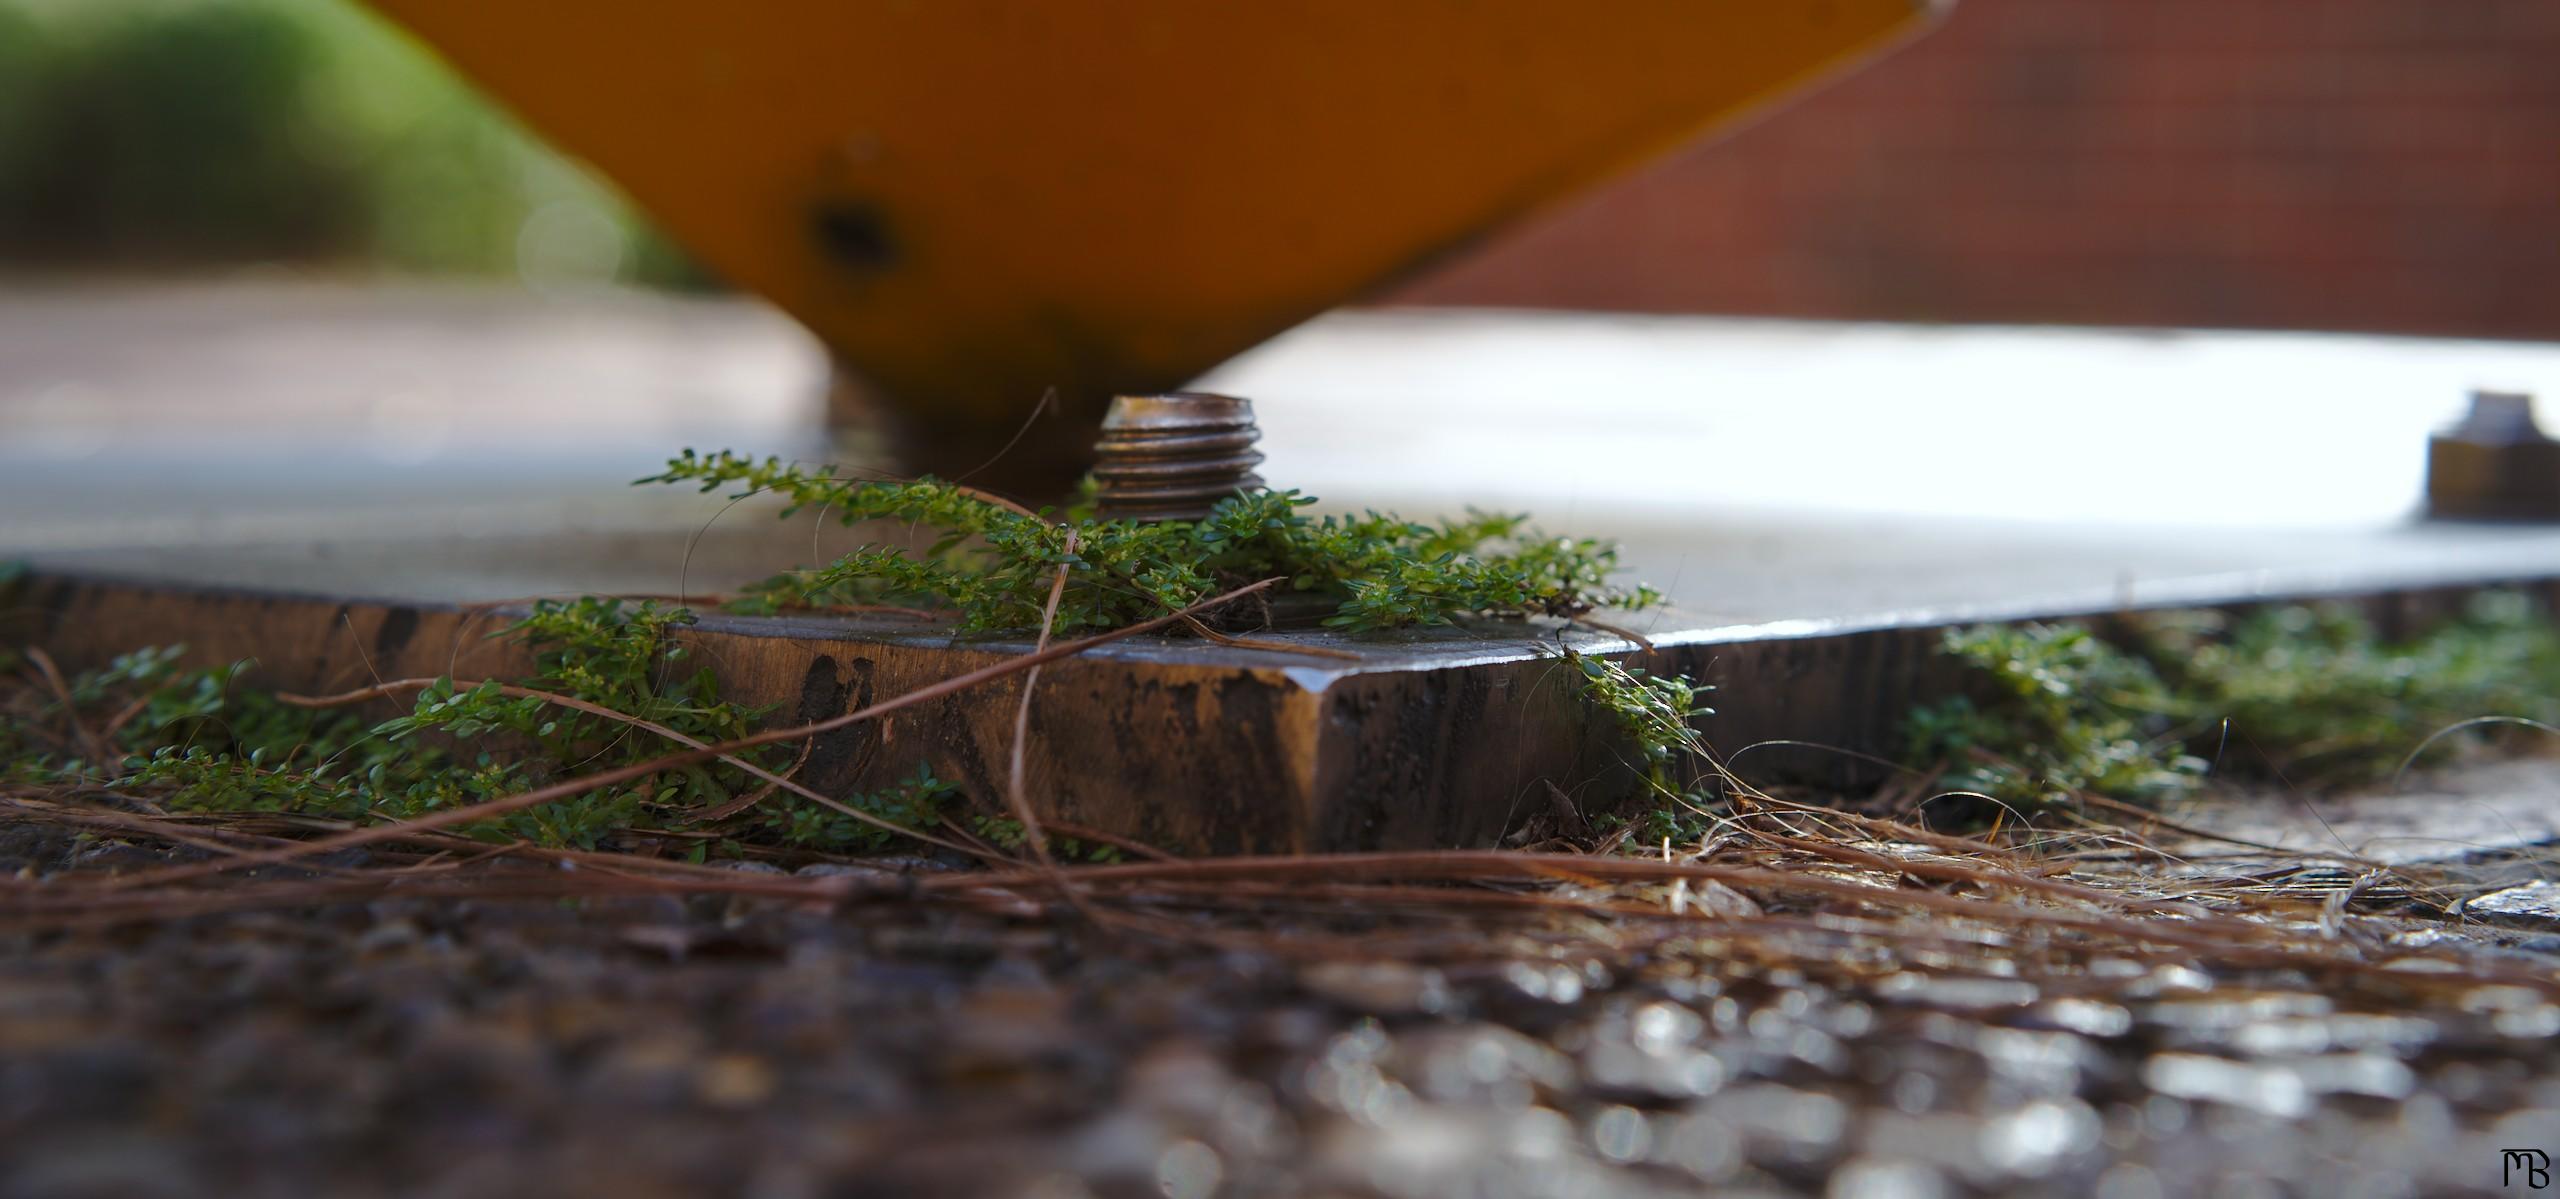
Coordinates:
(1174, 456)
(2494, 465)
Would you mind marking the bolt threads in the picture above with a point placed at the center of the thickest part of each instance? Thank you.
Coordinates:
(1174, 456)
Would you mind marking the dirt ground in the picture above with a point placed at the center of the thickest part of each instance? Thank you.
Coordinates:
(759, 1034)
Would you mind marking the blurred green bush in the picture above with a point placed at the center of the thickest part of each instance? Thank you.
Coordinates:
(145, 134)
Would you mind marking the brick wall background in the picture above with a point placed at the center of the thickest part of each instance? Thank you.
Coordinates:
(2381, 165)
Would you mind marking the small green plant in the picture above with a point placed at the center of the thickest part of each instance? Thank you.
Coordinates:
(2306, 695)
(203, 740)
(2059, 713)
(1657, 715)
(2314, 695)
(917, 801)
(225, 747)
(1005, 832)
(994, 564)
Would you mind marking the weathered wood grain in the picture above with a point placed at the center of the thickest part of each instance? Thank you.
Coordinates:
(1442, 738)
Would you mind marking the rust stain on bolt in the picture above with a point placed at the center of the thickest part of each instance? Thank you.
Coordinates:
(1174, 456)
(2495, 465)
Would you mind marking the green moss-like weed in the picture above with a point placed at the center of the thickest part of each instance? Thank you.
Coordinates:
(1656, 715)
(205, 739)
(993, 564)
(2305, 695)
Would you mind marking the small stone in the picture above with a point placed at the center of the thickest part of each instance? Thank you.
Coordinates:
(1379, 988)
(672, 940)
(2273, 1089)
(390, 934)
(2533, 905)
(751, 867)
(845, 870)
(1956, 991)
(645, 1071)
(734, 1080)
(1870, 1178)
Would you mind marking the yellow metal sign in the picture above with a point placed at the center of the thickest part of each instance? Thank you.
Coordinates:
(976, 200)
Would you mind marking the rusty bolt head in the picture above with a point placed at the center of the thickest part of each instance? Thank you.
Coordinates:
(2494, 465)
(1174, 456)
